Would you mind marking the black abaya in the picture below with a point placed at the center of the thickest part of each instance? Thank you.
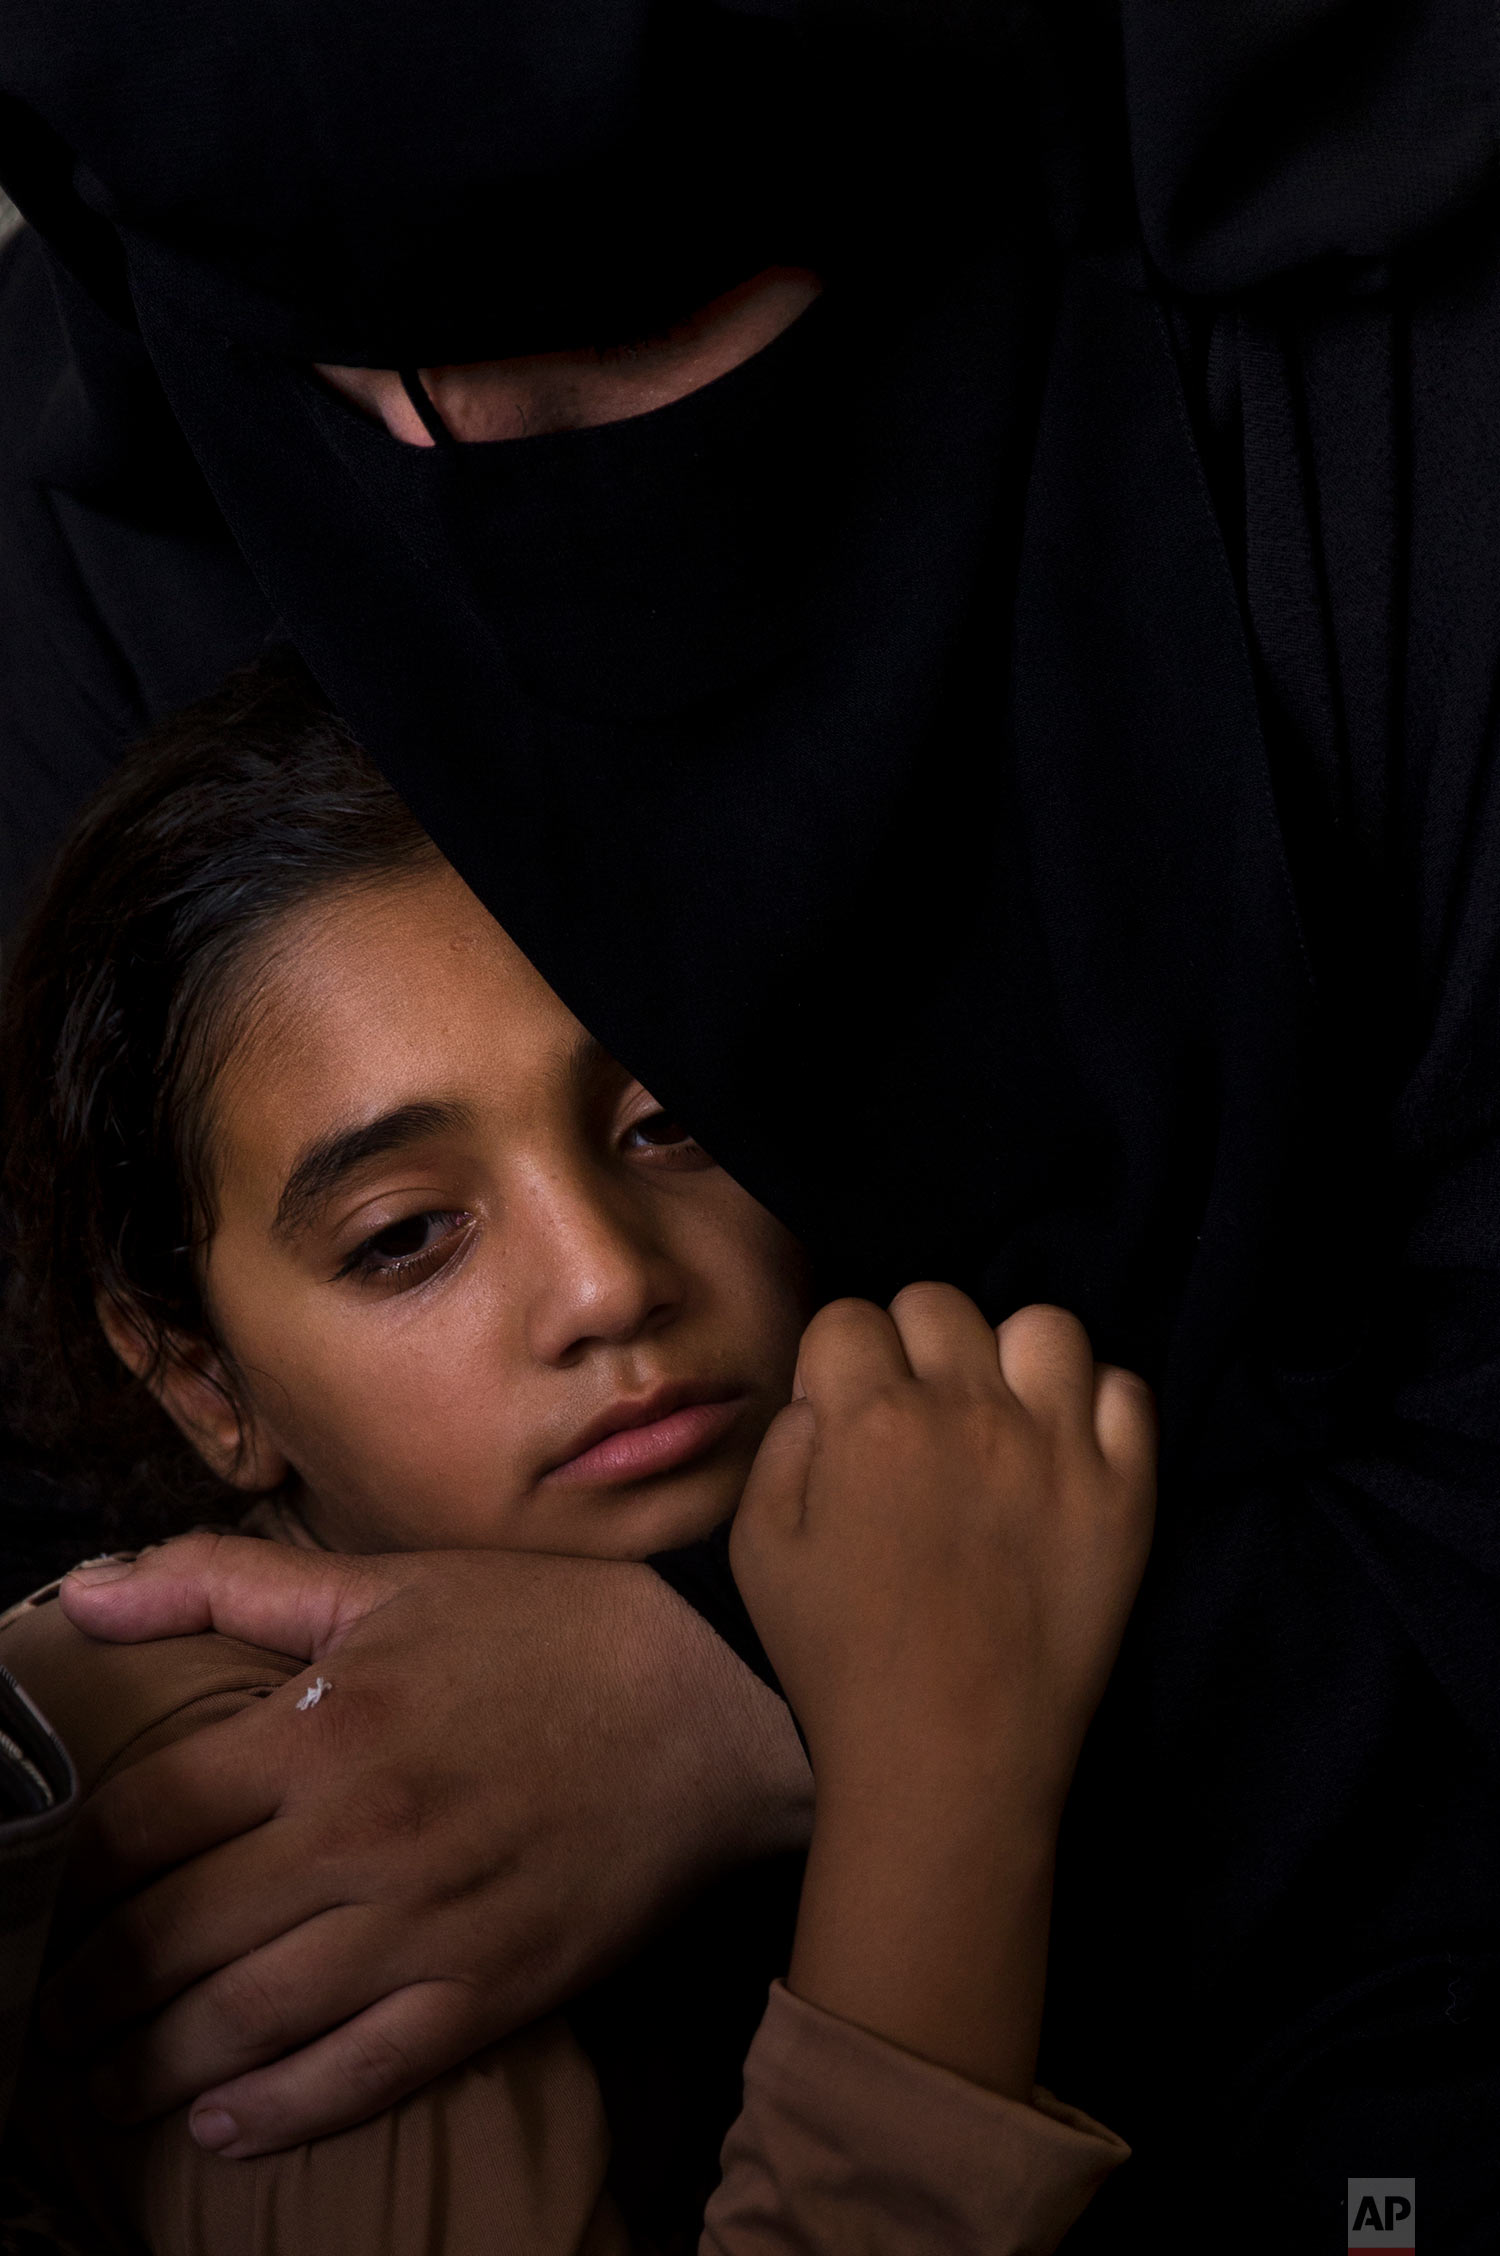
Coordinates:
(1011, 765)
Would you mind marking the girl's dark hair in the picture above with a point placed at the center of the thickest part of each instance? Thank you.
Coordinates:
(126, 994)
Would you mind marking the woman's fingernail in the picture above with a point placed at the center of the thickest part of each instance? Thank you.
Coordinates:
(212, 2128)
(101, 1570)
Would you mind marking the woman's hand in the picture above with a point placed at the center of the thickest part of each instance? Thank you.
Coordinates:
(523, 1764)
(940, 1545)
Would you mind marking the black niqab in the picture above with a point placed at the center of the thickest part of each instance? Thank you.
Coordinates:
(1011, 765)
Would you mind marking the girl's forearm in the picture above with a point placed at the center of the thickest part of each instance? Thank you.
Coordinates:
(924, 1919)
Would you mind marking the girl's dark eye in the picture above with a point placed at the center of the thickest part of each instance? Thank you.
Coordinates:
(660, 1128)
(666, 1140)
(409, 1250)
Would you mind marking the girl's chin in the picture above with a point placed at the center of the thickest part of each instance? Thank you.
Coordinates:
(576, 1521)
(634, 1523)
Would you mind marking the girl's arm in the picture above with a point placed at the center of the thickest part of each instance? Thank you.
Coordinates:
(940, 1546)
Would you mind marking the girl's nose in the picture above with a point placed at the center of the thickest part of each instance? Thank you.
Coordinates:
(599, 1274)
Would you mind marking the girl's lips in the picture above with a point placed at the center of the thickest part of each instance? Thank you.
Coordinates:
(634, 1452)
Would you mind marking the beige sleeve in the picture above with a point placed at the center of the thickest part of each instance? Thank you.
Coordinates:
(502, 2157)
(847, 2144)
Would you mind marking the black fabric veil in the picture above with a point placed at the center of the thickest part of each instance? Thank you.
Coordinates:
(1012, 765)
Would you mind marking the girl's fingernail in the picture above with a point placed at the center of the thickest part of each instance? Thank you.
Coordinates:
(101, 1570)
(212, 2128)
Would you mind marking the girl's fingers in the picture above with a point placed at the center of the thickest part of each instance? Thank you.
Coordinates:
(944, 1335)
(778, 1478)
(367, 2065)
(850, 1348)
(1048, 1363)
(1125, 1422)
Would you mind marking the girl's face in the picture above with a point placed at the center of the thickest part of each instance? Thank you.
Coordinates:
(475, 1287)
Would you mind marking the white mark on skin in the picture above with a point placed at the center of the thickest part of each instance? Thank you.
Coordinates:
(314, 1694)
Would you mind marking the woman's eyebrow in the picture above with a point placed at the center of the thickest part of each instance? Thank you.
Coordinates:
(323, 1165)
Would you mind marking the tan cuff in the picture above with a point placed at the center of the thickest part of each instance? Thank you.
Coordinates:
(847, 2142)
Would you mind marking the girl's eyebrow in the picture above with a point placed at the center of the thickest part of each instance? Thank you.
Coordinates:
(323, 1165)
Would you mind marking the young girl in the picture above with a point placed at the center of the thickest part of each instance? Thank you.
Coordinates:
(324, 1207)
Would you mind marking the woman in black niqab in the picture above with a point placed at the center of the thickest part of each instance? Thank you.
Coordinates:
(1011, 765)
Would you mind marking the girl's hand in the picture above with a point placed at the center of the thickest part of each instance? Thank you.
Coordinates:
(942, 1537)
(940, 1543)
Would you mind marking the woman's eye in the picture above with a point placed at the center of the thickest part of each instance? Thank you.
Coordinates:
(410, 1249)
